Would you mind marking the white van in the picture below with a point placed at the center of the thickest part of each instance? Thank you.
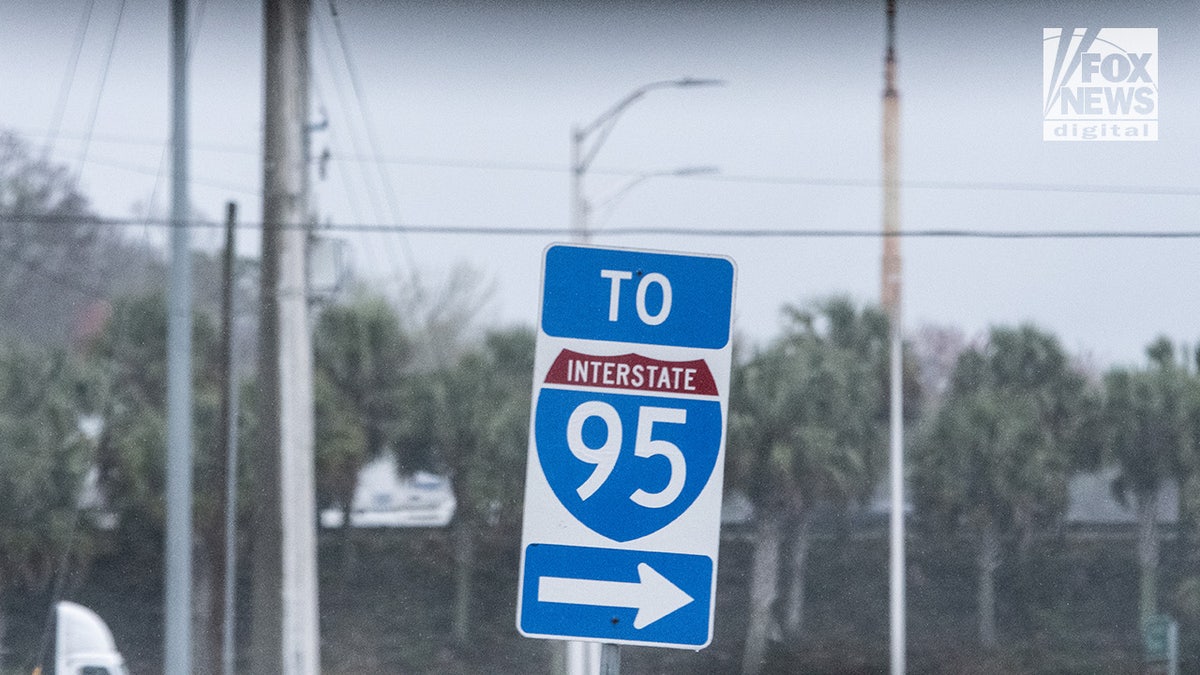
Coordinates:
(84, 644)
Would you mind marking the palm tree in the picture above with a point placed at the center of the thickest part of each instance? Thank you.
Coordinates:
(131, 353)
(1151, 434)
(995, 458)
(362, 361)
(43, 458)
(479, 431)
(805, 427)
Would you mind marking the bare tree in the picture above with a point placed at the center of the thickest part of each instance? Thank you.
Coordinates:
(58, 262)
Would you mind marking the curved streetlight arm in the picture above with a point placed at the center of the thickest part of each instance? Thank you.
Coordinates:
(633, 182)
(581, 157)
(604, 123)
(610, 202)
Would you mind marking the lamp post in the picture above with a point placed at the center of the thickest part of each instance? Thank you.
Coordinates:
(610, 202)
(892, 301)
(587, 140)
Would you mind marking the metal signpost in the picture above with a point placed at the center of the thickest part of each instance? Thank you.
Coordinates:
(1160, 643)
(626, 451)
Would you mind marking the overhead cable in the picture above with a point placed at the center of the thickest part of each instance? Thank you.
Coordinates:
(535, 231)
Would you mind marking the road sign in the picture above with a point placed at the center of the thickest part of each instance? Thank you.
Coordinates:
(626, 450)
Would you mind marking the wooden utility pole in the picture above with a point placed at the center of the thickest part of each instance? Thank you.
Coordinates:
(284, 623)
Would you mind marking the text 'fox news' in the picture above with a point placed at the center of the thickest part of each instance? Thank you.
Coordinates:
(1100, 84)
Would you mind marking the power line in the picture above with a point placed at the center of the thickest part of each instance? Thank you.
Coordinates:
(251, 189)
(367, 178)
(533, 231)
(64, 91)
(372, 139)
(760, 179)
(144, 141)
(779, 232)
(191, 40)
(91, 123)
(998, 186)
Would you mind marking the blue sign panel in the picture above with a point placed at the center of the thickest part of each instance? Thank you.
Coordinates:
(626, 466)
(616, 595)
(637, 296)
(623, 483)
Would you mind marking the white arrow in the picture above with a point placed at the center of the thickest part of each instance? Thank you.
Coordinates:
(653, 595)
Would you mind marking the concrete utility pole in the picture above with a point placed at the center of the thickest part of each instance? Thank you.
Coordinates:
(177, 601)
(891, 299)
(286, 638)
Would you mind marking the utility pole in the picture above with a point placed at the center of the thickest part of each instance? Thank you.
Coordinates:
(229, 445)
(892, 296)
(177, 593)
(286, 638)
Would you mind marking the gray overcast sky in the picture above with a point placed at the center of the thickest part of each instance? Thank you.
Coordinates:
(470, 107)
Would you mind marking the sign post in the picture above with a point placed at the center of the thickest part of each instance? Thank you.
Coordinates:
(1160, 642)
(626, 450)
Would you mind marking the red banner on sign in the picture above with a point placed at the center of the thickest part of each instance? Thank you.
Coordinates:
(632, 371)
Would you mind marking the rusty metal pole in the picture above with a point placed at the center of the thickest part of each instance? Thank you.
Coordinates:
(891, 151)
(892, 303)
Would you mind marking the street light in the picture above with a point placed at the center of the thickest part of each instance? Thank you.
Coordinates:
(610, 202)
(582, 153)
